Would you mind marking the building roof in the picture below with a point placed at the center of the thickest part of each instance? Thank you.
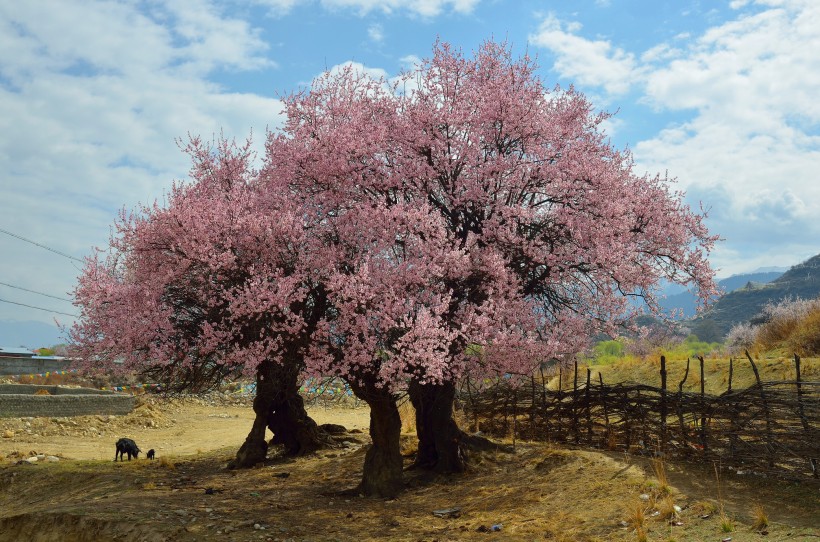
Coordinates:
(9, 351)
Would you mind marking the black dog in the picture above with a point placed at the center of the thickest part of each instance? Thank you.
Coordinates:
(126, 446)
(150, 454)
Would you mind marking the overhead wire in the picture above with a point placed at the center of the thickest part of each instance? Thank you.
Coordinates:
(35, 243)
(55, 251)
(38, 308)
(35, 292)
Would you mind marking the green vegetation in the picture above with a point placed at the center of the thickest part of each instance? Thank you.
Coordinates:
(606, 353)
(692, 347)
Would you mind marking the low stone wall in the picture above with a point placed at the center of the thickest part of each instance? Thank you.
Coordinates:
(29, 366)
(19, 400)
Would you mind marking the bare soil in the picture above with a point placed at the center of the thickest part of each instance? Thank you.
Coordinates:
(540, 492)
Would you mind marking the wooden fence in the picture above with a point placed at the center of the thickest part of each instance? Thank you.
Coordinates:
(770, 428)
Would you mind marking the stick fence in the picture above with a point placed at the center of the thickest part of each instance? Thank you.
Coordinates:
(770, 428)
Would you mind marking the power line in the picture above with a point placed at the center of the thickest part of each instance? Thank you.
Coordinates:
(38, 308)
(55, 251)
(35, 292)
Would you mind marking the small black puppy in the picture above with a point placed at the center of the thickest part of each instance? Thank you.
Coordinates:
(150, 454)
(126, 446)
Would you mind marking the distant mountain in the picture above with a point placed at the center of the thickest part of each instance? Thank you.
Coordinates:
(687, 302)
(742, 304)
(29, 334)
(770, 269)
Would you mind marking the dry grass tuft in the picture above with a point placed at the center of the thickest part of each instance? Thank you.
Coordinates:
(760, 521)
(636, 515)
(727, 524)
(167, 463)
(666, 507)
(659, 468)
(149, 486)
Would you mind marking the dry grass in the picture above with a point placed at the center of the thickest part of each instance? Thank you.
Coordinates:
(635, 516)
(760, 521)
(666, 507)
(166, 463)
(772, 366)
(408, 416)
(727, 524)
(659, 469)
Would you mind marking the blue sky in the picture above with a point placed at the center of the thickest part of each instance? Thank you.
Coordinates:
(722, 95)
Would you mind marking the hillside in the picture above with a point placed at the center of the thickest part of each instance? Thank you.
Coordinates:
(686, 300)
(802, 280)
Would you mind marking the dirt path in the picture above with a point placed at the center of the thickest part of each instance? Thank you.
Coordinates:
(173, 429)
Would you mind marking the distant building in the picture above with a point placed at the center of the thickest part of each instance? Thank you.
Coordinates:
(8, 352)
(22, 361)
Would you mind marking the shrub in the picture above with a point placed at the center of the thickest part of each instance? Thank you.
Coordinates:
(741, 337)
(793, 324)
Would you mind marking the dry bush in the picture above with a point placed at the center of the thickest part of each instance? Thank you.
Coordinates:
(792, 324)
(805, 339)
(166, 463)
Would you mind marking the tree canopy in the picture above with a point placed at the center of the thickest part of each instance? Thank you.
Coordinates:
(465, 218)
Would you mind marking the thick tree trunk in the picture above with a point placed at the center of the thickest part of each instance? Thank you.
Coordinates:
(440, 439)
(255, 449)
(279, 407)
(289, 421)
(382, 474)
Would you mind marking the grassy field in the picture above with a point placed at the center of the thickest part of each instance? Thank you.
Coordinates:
(716, 372)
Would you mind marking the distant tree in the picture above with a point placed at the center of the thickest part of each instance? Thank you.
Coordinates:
(214, 284)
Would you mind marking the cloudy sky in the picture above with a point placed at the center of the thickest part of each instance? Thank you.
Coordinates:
(722, 95)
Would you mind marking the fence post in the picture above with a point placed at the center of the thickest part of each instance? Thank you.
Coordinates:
(588, 406)
(733, 437)
(769, 437)
(603, 402)
(803, 420)
(575, 429)
(515, 415)
(703, 408)
(663, 403)
(684, 432)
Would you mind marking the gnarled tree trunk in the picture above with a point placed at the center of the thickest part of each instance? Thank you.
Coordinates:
(289, 421)
(382, 475)
(279, 407)
(440, 439)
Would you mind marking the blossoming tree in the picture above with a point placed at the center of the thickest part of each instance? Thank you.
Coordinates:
(214, 284)
(532, 231)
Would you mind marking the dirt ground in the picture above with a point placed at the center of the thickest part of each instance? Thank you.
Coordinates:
(540, 492)
(170, 427)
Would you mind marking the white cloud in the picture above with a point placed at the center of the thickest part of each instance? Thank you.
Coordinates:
(589, 62)
(375, 32)
(749, 87)
(425, 8)
(92, 98)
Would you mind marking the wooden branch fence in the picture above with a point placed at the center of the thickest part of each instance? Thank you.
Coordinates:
(770, 428)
